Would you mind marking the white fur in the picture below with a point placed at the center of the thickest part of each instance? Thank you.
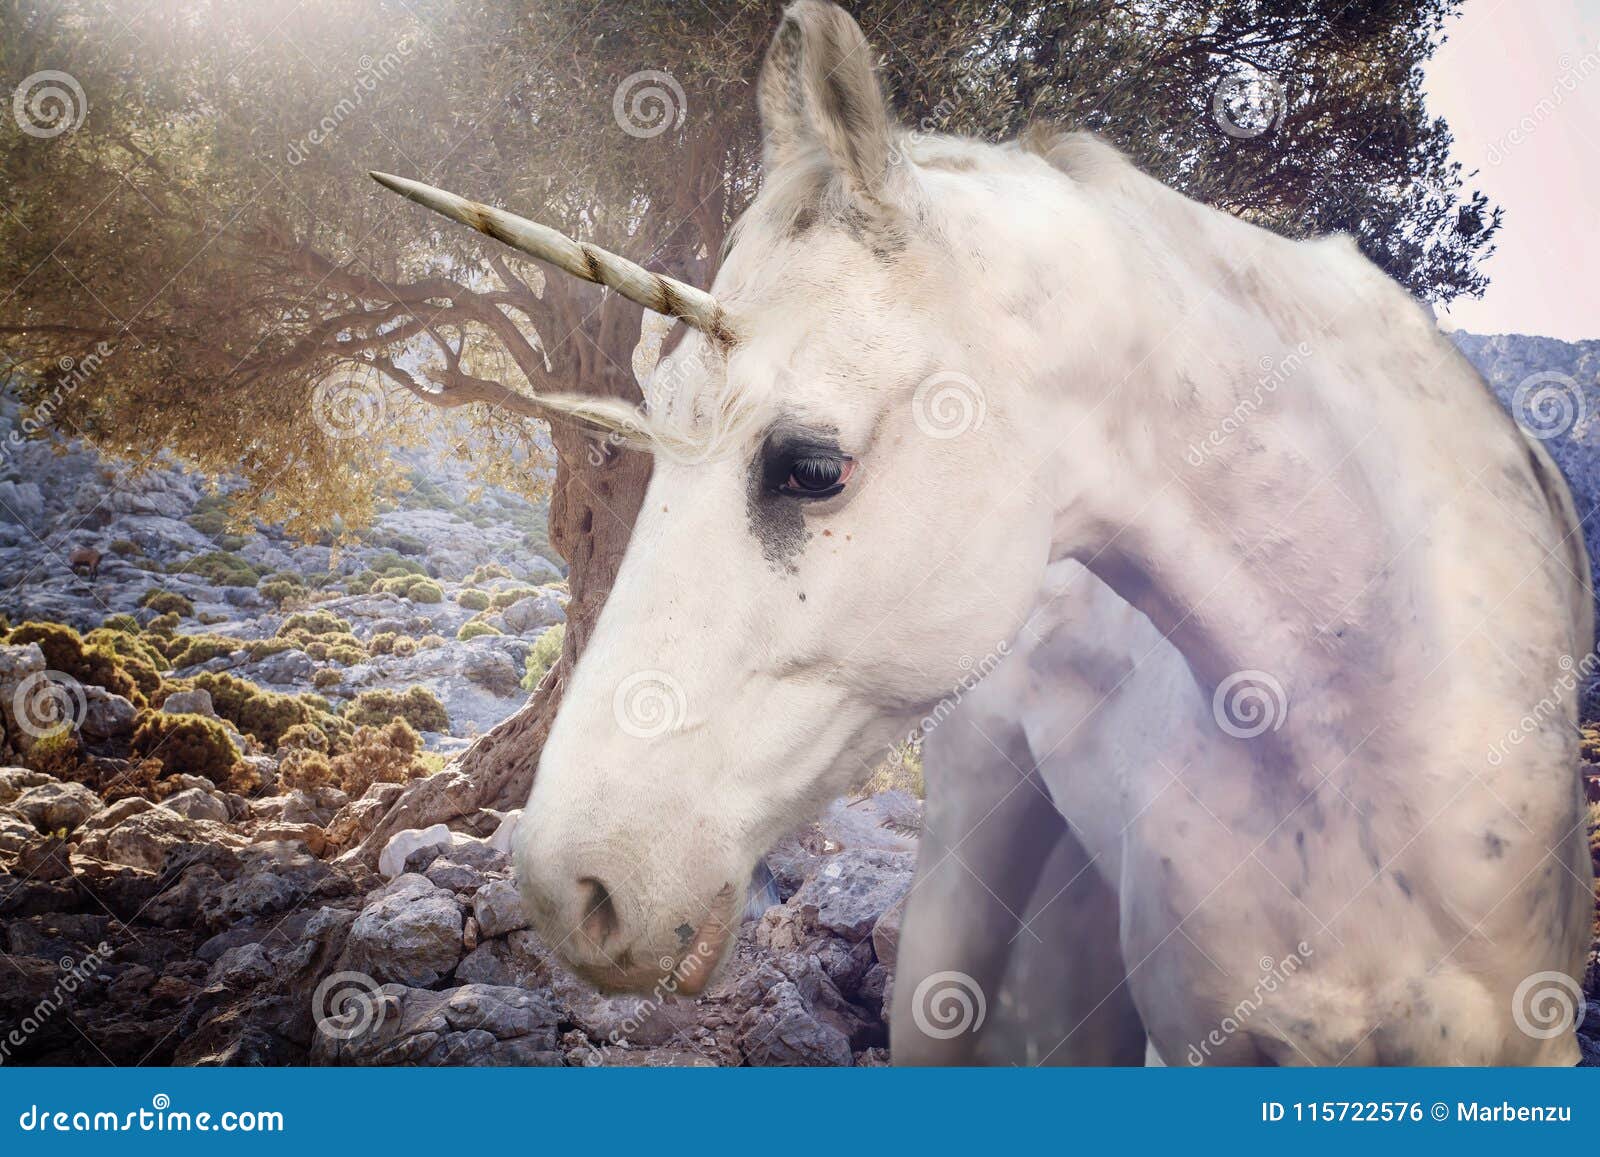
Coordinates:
(1373, 534)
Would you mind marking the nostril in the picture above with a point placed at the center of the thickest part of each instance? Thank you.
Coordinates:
(600, 921)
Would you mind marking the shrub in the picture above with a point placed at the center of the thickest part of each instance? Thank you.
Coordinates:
(387, 754)
(404, 646)
(304, 736)
(429, 641)
(473, 629)
(56, 753)
(543, 654)
(185, 744)
(167, 602)
(221, 568)
(121, 623)
(125, 547)
(143, 663)
(266, 715)
(473, 600)
(211, 618)
(314, 623)
(387, 562)
(162, 624)
(189, 650)
(326, 677)
(418, 706)
(486, 571)
(361, 582)
(382, 643)
(276, 591)
(505, 598)
(96, 665)
(306, 769)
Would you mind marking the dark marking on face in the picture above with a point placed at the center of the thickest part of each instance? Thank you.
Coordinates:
(1403, 884)
(1305, 859)
(685, 933)
(1494, 846)
(802, 596)
(776, 519)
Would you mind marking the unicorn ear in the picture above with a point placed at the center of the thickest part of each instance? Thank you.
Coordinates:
(819, 90)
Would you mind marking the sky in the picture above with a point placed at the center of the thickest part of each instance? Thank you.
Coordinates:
(1519, 83)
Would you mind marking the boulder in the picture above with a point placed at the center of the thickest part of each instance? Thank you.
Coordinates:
(146, 838)
(196, 702)
(498, 908)
(107, 716)
(409, 933)
(16, 780)
(849, 893)
(242, 967)
(52, 807)
(392, 862)
(533, 614)
(475, 1024)
(196, 804)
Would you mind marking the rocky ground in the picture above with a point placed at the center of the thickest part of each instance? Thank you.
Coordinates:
(201, 740)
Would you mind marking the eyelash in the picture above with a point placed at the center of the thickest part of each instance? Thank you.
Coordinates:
(826, 464)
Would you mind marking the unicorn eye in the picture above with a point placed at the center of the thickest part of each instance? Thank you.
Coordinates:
(817, 476)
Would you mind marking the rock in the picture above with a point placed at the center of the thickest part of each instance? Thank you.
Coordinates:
(241, 967)
(195, 804)
(53, 807)
(358, 818)
(44, 858)
(852, 890)
(462, 849)
(146, 838)
(110, 817)
(196, 702)
(16, 780)
(506, 832)
(272, 877)
(410, 935)
(17, 666)
(886, 933)
(498, 908)
(475, 1024)
(313, 837)
(782, 1030)
(179, 906)
(16, 833)
(434, 799)
(534, 613)
(107, 716)
(400, 847)
(519, 961)
(494, 671)
(454, 877)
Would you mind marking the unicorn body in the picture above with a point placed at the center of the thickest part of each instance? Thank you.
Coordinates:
(1278, 581)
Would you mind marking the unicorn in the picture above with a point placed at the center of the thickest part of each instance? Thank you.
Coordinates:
(1283, 616)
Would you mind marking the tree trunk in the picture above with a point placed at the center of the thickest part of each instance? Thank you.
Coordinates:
(597, 492)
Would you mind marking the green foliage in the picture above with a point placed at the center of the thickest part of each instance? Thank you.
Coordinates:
(473, 629)
(124, 547)
(486, 571)
(64, 650)
(265, 715)
(417, 706)
(167, 602)
(506, 598)
(276, 591)
(473, 600)
(390, 564)
(191, 650)
(326, 677)
(56, 753)
(142, 662)
(185, 744)
(219, 567)
(121, 623)
(390, 753)
(543, 654)
(314, 623)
